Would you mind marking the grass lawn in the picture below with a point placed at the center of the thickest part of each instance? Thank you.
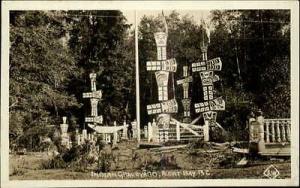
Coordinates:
(28, 167)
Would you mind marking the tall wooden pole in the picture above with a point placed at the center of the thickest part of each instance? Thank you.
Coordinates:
(137, 81)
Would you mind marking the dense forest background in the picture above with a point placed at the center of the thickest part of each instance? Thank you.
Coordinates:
(53, 52)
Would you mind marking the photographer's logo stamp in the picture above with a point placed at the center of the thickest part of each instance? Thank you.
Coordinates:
(271, 172)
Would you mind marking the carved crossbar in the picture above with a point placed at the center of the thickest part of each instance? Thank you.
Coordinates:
(217, 104)
(169, 106)
(185, 80)
(94, 94)
(210, 65)
(97, 119)
(168, 65)
(208, 78)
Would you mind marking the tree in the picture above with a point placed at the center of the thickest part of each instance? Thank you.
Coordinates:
(40, 69)
(252, 43)
(101, 42)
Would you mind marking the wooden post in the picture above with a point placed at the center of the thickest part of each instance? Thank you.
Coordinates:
(278, 132)
(166, 135)
(84, 134)
(177, 132)
(149, 131)
(115, 134)
(267, 132)
(145, 131)
(206, 131)
(125, 130)
(137, 81)
(155, 132)
(78, 139)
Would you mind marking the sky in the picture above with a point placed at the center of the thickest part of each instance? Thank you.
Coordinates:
(196, 14)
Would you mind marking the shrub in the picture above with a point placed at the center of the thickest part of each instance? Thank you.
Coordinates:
(197, 144)
(72, 154)
(17, 172)
(104, 162)
(216, 134)
(56, 162)
(166, 162)
(77, 158)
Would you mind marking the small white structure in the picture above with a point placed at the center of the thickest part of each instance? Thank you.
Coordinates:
(65, 138)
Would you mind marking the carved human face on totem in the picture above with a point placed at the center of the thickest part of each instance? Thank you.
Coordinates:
(210, 116)
(217, 104)
(163, 120)
(207, 77)
(161, 39)
(162, 78)
(170, 106)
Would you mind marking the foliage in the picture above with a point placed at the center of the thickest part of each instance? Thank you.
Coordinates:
(251, 44)
(104, 162)
(98, 40)
(55, 163)
(37, 82)
(166, 162)
(51, 55)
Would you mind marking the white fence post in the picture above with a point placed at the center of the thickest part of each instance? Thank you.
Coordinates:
(149, 131)
(177, 131)
(124, 135)
(155, 132)
(146, 131)
(115, 134)
(206, 131)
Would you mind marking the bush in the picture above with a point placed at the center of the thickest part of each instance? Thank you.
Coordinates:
(216, 134)
(56, 162)
(17, 172)
(197, 144)
(166, 162)
(77, 158)
(104, 162)
(72, 154)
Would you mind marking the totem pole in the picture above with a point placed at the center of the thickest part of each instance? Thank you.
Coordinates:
(162, 67)
(186, 101)
(211, 104)
(94, 97)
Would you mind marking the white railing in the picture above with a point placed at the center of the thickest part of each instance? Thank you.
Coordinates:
(277, 130)
(265, 132)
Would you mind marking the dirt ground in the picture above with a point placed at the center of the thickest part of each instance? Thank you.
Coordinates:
(132, 163)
